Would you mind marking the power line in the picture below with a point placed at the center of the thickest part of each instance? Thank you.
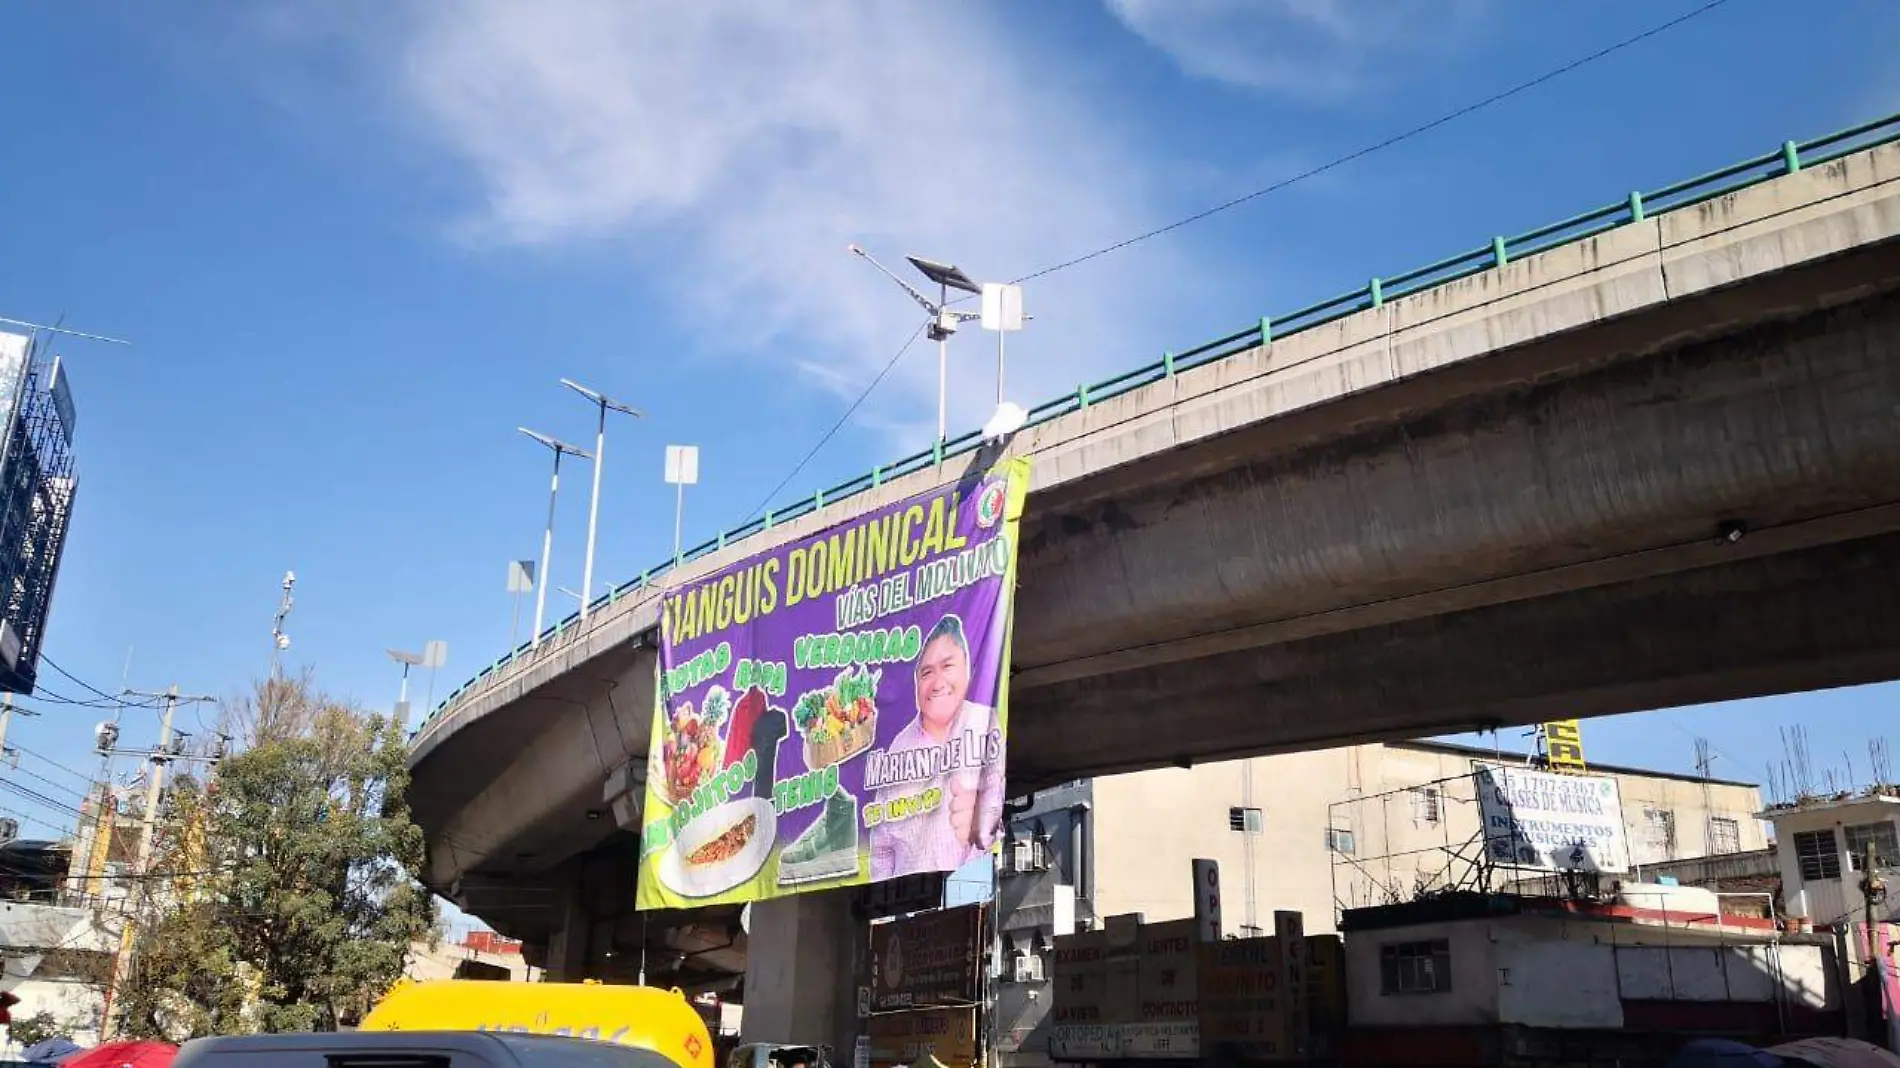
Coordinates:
(35, 754)
(32, 794)
(839, 425)
(82, 682)
(55, 784)
(1422, 128)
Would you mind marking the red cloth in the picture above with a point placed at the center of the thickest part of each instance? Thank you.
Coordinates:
(739, 731)
(139, 1054)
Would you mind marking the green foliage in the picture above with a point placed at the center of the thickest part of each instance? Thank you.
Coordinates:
(297, 902)
(33, 1029)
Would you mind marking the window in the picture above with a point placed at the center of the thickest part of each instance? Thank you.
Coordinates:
(1814, 851)
(1339, 840)
(1415, 967)
(1425, 804)
(1725, 835)
(1659, 824)
(1244, 819)
(1880, 836)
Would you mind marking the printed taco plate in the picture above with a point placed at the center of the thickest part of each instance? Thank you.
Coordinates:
(721, 848)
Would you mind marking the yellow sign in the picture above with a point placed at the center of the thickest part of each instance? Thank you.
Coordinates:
(1563, 745)
(1242, 1002)
(902, 1037)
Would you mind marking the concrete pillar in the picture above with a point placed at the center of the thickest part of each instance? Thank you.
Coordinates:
(569, 944)
(801, 972)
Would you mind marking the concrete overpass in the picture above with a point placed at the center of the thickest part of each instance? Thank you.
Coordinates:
(1640, 459)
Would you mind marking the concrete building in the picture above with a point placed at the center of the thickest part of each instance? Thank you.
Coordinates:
(1820, 845)
(58, 961)
(1476, 979)
(1317, 832)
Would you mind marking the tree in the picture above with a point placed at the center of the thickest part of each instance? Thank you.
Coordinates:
(286, 892)
(33, 1029)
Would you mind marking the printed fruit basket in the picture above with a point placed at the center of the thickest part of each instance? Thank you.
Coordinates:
(691, 746)
(839, 721)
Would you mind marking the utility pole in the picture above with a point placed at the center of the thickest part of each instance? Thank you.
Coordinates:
(164, 753)
(1872, 890)
(155, 782)
(7, 710)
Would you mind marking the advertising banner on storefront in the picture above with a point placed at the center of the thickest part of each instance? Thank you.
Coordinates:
(903, 1038)
(927, 960)
(834, 711)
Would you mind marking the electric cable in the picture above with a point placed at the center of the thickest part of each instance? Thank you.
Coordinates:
(1398, 138)
(1313, 172)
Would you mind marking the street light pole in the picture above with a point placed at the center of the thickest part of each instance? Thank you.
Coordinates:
(682, 470)
(558, 448)
(943, 365)
(604, 403)
(943, 318)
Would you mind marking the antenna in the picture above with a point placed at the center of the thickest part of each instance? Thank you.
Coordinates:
(279, 641)
(63, 330)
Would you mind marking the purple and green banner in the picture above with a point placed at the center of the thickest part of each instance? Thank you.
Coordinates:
(833, 711)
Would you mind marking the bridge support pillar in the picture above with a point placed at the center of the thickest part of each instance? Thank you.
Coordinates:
(568, 946)
(801, 976)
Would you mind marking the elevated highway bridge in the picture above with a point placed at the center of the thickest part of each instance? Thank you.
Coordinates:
(1646, 457)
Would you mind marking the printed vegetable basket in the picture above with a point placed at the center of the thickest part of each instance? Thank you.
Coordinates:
(836, 749)
(839, 721)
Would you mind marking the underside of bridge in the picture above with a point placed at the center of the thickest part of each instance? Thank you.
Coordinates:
(1695, 501)
(1612, 532)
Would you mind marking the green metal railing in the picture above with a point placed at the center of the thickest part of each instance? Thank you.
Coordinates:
(1790, 157)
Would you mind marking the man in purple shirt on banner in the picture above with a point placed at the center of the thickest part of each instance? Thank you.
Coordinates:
(960, 753)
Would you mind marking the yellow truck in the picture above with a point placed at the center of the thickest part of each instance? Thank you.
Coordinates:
(643, 1017)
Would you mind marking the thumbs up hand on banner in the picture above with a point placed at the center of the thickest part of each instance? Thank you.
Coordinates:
(962, 808)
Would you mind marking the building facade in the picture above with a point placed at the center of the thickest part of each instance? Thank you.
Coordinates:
(1317, 832)
(1477, 979)
(1821, 847)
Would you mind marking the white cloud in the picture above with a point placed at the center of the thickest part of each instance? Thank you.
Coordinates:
(1312, 49)
(737, 146)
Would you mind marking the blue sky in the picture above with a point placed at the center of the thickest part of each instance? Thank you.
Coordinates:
(355, 244)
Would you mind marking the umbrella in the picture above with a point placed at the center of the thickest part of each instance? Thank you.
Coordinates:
(1722, 1053)
(51, 1049)
(140, 1054)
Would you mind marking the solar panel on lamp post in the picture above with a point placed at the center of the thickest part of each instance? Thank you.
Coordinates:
(604, 403)
(943, 318)
(559, 448)
(407, 660)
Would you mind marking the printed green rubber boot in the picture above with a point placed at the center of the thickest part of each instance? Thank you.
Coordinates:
(829, 847)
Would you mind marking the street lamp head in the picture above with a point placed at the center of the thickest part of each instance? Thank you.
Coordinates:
(406, 659)
(602, 399)
(556, 444)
